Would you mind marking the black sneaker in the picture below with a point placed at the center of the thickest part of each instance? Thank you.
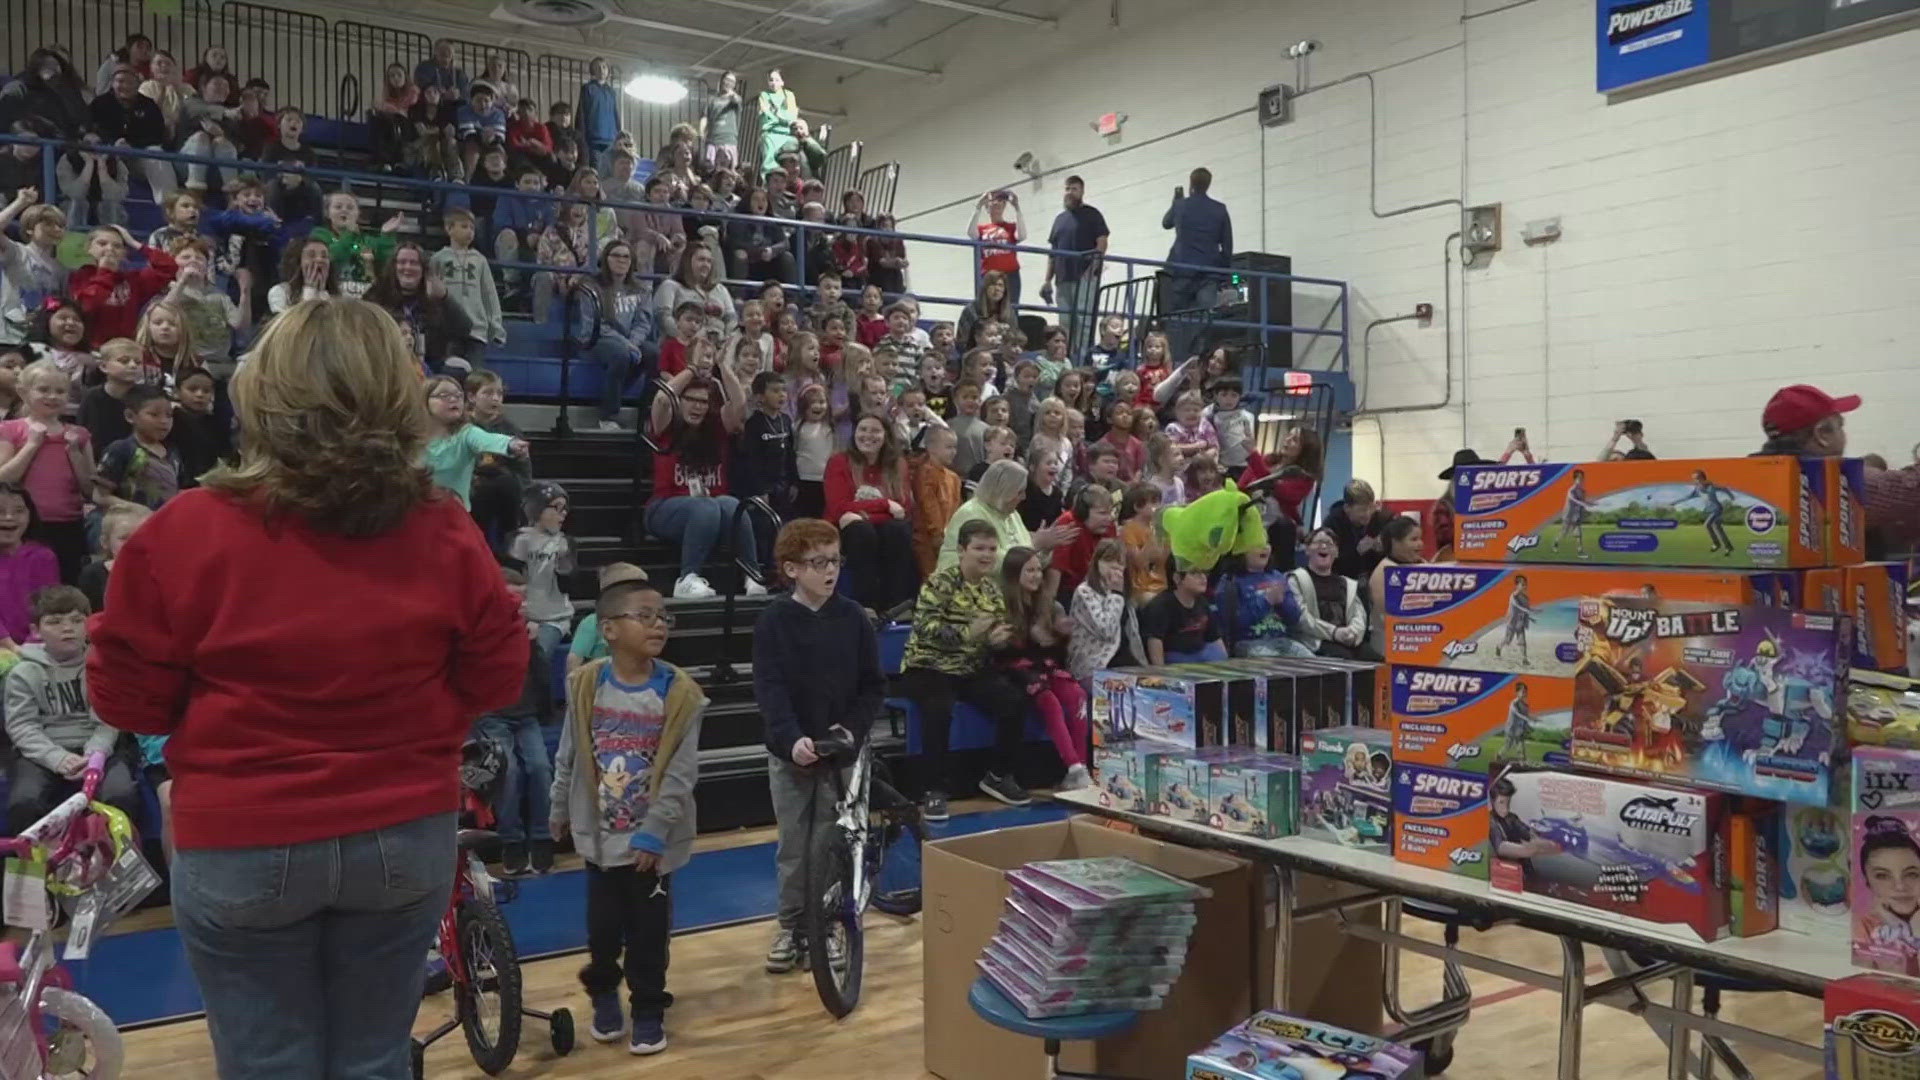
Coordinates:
(513, 859)
(542, 856)
(1005, 789)
(934, 807)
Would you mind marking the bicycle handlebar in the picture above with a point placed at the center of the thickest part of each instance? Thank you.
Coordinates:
(837, 742)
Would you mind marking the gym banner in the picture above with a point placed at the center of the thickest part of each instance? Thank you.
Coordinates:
(1643, 40)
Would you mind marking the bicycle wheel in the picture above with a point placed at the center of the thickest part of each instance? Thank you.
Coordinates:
(85, 1045)
(893, 852)
(489, 999)
(833, 917)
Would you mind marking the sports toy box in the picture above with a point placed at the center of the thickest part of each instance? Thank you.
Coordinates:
(1528, 620)
(1753, 868)
(1474, 721)
(1256, 796)
(1440, 819)
(1761, 512)
(1874, 596)
(1883, 893)
(1275, 1046)
(1736, 698)
(1346, 787)
(1647, 851)
(1873, 1029)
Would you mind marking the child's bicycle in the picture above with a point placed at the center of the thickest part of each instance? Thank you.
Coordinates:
(478, 948)
(870, 853)
(83, 860)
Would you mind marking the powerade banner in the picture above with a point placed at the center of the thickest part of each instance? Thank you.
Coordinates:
(1641, 40)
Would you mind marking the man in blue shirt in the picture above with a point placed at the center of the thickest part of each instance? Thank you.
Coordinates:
(598, 116)
(1202, 236)
(441, 71)
(1081, 231)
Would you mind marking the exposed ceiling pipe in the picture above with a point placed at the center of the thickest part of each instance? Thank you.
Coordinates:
(773, 46)
(771, 18)
(993, 13)
(765, 9)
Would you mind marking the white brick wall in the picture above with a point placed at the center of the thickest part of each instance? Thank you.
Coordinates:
(1720, 239)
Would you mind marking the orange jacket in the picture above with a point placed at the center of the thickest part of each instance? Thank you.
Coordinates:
(936, 495)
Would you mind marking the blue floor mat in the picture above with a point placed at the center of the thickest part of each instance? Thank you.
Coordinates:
(142, 978)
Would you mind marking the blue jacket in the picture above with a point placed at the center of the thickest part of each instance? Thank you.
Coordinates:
(598, 114)
(1241, 608)
(521, 214)
(1202, 231)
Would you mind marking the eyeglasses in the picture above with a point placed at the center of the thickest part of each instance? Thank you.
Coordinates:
(824, 562)
(447, 395)
(647, 617)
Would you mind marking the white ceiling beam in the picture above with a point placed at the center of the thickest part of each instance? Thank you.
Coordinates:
(771, 18)
(774, 46)
(993, 13)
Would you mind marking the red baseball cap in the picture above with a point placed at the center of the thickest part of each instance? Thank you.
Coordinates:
(1798, 407)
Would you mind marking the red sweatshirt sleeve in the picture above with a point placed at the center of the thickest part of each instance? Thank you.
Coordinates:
(490, 661)
(92, 287)
(153, 280)
(136, 677)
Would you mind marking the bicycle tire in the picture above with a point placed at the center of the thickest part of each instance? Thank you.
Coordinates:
(831, 910)
(897, 835)
(93, 1024)
(486, 943)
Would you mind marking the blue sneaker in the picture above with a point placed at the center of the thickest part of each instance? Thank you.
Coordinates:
(609, 1019)
(649, 1035)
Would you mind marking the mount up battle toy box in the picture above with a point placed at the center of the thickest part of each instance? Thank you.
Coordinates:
(1738, 698)
(1346, 787)
(1873, 1029)
(1275, 1046)
(1440, 819)
(1886, 848)
(1475, 721)
(1761, 512)
(1647, 851)
(1526, 620)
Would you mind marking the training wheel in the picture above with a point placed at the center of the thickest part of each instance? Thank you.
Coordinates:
(561, 1025)
(1439, 1053)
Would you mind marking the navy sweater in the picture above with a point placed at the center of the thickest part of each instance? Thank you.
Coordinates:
(814, 669)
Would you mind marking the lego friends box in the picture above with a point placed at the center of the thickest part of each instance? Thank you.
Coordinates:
(1737, 698)
(1767, 512)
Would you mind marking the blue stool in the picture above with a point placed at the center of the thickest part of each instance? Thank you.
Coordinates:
(992, 1006)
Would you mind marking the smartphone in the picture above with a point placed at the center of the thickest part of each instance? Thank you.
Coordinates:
(1632, 426)
(1179, 191)
(1520, 433)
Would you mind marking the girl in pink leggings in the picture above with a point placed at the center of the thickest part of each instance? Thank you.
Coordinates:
(1036, 658)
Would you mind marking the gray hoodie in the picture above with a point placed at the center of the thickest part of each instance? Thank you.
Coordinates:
(469, 281)
(47, 712)
(667, 826)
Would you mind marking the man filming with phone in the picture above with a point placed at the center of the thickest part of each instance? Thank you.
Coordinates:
(1635, 434)
(1202, 236)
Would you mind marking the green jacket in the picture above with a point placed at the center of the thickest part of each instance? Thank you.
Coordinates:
(347, 249)
(942, 637)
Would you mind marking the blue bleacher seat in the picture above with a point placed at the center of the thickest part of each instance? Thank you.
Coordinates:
(971, 729)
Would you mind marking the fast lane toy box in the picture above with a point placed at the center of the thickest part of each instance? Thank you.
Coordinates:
(1275, 1046)
(1346, 793)
(1883, 894)
(1647, 851)
(1873, 1029)
(1440, 819)
(1527, 620)
(1736, 698)
(1760, 512)
(1474, 721)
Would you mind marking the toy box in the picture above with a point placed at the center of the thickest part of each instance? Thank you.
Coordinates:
(1737, 698)
(1256, 796)
(1246, 701)
(1440, 819)
(1883, 710)
(1275, 1046)
(1846, 501)
(1873, 1029)
(1525, 619)
(1811, 851)
(1876, 600)
(1191, 705)
(1474, 721)
(1764, 512)
(1753, 871)
(1647, 851)
(1181, 781)
(1124, 774)
(1346, 792)
(1883, 894)
(1821, 590)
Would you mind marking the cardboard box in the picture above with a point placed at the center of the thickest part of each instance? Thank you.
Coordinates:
(965, 888)
(1192, 705)
(1883, 709)
(1821, 590)
(1649, 851)
(1257, 796)
(1440, 819)
(1346, 787)
(1846, 502)
(1873, 1029)
(1737, 698)
(1811, 851)
(1120, 777)
(1753, 875)
(1526, 619)
(1885, 847)
(1473, 721)
(1760, 512)
(1876, 600)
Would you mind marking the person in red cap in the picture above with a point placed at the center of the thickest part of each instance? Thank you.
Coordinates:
(1806, 421)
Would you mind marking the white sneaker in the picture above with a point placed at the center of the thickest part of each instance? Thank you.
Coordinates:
(754, 588)
(1076, 778)
(784, 954)
(613, 427)
(693, 587)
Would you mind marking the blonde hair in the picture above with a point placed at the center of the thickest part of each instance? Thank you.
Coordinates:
(119, 523)
(1190, 397)
(119, 348)
(1002, 486)
(182, 350)
(333, 425)
(43, 369)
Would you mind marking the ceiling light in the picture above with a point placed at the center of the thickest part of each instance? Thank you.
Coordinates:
(656, 89)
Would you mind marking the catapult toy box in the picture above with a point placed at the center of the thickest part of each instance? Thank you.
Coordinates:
(1257, 796)
(1737, 698)
(1346, 787)
(1274, 1046)
(1884, 891)
(1873, 1029)
(1761, 512)
(1527, 620)
(1647, 851)
(1440, 819)
(1475, 721)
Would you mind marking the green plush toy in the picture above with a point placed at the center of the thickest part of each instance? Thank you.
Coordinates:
(1216, 524)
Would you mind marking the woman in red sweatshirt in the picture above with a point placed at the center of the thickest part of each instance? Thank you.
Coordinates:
(110, 297)
(869, 499)
(315, 630)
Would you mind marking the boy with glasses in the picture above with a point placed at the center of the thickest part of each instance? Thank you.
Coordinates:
(816, 663)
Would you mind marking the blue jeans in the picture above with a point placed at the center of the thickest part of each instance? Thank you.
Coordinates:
(696, 523)
(619, 357)
(525, 789)
(1076, 300)
(311, 956)
(1212, 653)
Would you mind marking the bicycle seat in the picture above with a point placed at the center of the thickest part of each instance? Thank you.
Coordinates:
(474, 839)
(10, 971)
